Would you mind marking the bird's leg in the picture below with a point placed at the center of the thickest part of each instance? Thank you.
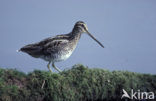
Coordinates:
(49, 66)
(56, 67)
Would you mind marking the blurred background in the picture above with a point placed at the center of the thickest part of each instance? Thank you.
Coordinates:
(127, 29)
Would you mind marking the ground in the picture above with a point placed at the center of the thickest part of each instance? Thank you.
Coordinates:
(77, 84)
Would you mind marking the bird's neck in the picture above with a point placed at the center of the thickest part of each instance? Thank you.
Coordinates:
(76, 33)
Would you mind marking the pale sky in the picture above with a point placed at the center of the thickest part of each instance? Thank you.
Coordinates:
(127, 29)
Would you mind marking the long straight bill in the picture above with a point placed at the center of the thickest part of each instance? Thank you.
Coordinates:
(95, 39)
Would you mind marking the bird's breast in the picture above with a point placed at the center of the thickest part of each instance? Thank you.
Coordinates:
(62, 55)
(65, 52)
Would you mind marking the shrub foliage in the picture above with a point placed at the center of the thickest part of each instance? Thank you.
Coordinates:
(77, 84)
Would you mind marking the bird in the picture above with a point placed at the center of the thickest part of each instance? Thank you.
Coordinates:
(58, 48)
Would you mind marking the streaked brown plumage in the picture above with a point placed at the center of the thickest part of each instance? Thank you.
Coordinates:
(58, 48)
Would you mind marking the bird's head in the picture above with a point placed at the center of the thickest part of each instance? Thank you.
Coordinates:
(81, 27)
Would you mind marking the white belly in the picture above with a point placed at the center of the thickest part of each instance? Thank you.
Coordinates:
(63, 56)
(60, 55)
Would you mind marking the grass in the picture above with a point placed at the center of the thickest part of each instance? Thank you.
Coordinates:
(77, 84)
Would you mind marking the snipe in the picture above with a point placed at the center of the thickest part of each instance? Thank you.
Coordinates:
(58, 48)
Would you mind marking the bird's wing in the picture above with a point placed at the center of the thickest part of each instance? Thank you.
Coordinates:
(46, 46)
(53, 45)
(53, 39)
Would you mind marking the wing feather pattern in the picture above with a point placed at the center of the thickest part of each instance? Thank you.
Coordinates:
(46, 46)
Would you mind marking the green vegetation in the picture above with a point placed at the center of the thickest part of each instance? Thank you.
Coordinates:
(77, 84)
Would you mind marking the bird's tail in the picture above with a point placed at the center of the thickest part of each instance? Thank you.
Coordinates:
(18, 50)
(31, 49)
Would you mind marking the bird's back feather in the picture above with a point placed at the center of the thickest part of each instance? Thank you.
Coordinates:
(46, 46)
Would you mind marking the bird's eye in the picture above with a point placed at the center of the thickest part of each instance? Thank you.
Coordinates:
(82, 25)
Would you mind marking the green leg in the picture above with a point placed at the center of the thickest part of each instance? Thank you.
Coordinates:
(49, 67)
(56, 67)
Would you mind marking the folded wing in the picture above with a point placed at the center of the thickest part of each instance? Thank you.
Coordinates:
(44, 47)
